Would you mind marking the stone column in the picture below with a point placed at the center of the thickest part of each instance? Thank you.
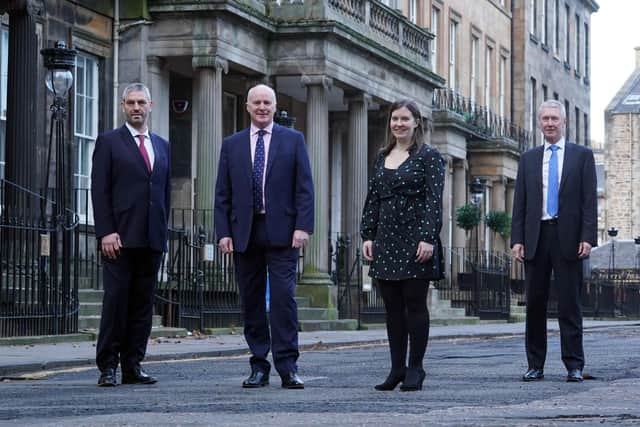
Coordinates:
(22, 93)
(209, 75)
(498, 199)
(159, 88)
(356, 164)
(315, 282)
(459, 199)
(448, 211)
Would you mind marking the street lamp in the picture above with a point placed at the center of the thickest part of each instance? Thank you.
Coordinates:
(637, 242)
(612, 232)
(60, 63)
(477, 192)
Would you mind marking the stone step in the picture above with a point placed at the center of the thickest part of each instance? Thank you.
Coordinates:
(90, 295)
(328, 325)
(464, 320)
(90, 309)
(444, 312)
(303, 302)
(93, 322)
(309, 313)
(518, 309)
(156, 332)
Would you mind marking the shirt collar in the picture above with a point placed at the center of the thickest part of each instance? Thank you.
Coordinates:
(559, 144)
(134, 132)
(255, 129)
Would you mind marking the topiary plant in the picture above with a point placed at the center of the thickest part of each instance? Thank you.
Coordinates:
(467, 217)
(499, 222)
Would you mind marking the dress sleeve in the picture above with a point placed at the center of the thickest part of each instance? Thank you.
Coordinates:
(371, 210)
(434, 180)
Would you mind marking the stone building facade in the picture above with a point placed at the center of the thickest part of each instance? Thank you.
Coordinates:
(622, 158)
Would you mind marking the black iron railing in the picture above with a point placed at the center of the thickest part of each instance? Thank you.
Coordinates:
(481, 119)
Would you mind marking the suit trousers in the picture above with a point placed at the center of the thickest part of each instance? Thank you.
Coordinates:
(279, 331)
(127, 307)
(568, 285)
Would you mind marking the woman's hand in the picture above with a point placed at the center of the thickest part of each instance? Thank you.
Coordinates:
(367, 250)
(424, 252)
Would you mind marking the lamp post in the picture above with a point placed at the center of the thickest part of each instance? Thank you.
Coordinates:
(477, 192)
(60, 63)
(637, 242)
(612, 232)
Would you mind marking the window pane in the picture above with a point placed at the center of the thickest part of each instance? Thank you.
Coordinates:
(79, 110)
(4, 60)
(88, 118)
(79, 76)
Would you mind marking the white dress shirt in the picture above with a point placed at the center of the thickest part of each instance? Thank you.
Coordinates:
(253, 133)
(545, 172)
(147, 142)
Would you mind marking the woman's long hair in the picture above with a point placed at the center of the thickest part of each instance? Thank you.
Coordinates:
(418, 138)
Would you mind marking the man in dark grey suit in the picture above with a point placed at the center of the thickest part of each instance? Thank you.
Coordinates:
(553, 229)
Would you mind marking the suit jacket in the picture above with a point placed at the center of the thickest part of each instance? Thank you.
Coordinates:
(127, 198)
(288, 188)
(577, 201)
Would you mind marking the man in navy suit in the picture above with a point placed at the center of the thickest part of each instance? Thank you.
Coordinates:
(554, 227)
(264, 215)
(130, 193)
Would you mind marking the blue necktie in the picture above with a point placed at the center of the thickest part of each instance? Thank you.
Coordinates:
(552, 184)
(258, 168)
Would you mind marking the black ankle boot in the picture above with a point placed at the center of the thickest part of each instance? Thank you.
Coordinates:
(413, 379)
(393, 379)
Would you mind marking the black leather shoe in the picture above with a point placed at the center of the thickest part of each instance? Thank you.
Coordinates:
(574, 376)
(292, 381)
(413, 379)
(137, 376)
(256, 379)
(533, 375)
(107, 378)
(393, 379)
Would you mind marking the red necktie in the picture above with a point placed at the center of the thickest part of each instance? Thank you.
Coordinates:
(144, 153)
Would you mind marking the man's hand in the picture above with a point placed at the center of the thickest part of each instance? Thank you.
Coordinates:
(424, 252)
(110, 245)
(518, 252)
(584, 249)
(300, 239)
(226, 245)
(367, 250)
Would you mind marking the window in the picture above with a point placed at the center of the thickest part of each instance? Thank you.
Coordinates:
(475, 44)
(577, 125)
(435, 29)
(503, 77)
(567, 35)
(534, 19)
(4, 65)
(487, 77)
(585, 123)
(586, 50)
(533, 105)
(85, 128)
(453, 29)
(556, 28)
(413, 11)
(576, 56)
(567, 131)
(543, 21)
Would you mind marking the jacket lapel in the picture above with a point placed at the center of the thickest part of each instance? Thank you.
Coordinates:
(537, 170)
(567, 164)
(245, 154)
(274, 144)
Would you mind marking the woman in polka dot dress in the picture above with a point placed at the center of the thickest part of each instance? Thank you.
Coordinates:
(400, 227)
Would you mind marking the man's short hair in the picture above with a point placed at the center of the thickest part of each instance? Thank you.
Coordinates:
(263, 86)
(136, 87)
(553, 103)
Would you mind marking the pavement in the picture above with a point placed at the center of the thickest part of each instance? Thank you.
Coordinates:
(20, 360)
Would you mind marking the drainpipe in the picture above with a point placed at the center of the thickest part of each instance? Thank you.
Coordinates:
(116, 53)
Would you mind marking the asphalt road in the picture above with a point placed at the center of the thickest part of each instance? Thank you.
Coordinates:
(469, 382)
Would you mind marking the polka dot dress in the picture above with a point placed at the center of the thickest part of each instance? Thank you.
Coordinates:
(404, 207)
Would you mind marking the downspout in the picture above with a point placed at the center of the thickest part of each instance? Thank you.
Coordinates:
(116, 53)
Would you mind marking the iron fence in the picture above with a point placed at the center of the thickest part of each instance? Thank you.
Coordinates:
(484, 121)
(38, 269)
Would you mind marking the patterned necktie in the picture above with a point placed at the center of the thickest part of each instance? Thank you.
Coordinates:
(552, 184)
(258, 170)
(143, 152)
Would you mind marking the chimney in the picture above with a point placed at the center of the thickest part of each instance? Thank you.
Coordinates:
(637, 57)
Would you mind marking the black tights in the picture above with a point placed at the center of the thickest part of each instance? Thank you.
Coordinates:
(405, 302)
